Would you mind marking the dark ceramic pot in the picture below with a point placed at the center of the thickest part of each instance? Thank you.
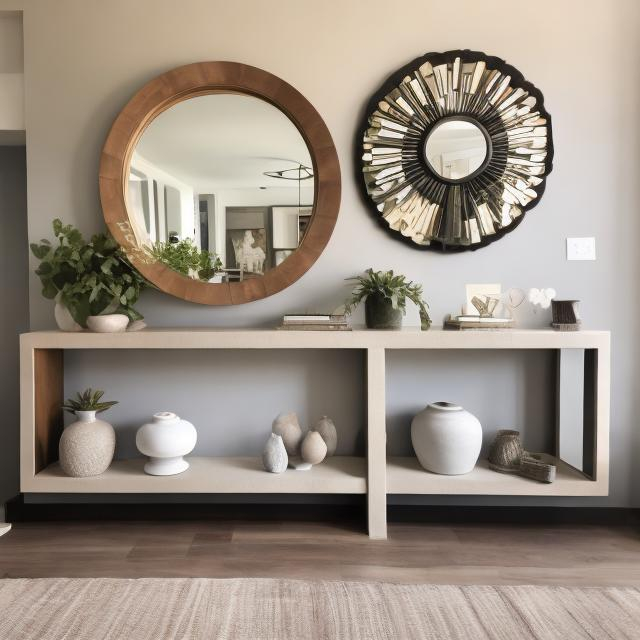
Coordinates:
(379, 314)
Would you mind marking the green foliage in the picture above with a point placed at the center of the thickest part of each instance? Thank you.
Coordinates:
(88, 278)
(186, 258)
(88, 400)
(393, 287)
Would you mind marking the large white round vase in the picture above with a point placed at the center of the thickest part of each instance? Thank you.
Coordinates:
(165, 440)
(446, 438)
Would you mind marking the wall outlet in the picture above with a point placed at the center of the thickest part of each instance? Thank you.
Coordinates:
(581, 248)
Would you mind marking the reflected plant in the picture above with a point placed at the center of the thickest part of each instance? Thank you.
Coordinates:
(393, 287)
(186, 258)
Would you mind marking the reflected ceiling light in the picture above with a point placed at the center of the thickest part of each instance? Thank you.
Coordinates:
(301, 172)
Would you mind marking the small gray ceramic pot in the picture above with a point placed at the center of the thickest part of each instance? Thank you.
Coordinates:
(380, 314)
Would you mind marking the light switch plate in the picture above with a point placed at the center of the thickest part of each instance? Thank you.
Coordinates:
(581, 248)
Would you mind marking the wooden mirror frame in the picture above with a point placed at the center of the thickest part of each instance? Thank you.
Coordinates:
(204, 78)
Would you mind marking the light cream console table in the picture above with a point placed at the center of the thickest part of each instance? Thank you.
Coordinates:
(375, 475)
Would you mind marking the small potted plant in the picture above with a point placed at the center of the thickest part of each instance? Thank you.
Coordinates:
(86, 278)
(87, 445)
(385, 295)
(187, 258)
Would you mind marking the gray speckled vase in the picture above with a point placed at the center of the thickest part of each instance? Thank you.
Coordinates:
(274, 456)
(327, 429)
(87, 446)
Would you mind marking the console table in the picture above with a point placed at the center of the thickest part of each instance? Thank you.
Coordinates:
(376, 475)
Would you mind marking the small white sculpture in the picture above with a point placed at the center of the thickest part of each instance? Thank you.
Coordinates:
(287, 426)
(541, 297)
(274, 456)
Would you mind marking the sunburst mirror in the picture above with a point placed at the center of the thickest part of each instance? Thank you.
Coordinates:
(454, 149)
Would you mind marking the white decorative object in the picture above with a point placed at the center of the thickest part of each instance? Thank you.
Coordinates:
(274, 456)
(287, 426)
(64, 319)
(313, 448)
(298, 464)
(327, 429)
(109, 323)
(165, 440)
(137, 325)
(87, 446)
(541, 297)
(446, 438)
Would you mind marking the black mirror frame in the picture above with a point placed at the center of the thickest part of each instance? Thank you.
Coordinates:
(517, 81)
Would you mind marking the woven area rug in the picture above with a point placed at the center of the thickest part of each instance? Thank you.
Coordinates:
(155, 609)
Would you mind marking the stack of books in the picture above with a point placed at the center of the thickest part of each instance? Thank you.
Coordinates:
(458, 323)
(315, 322)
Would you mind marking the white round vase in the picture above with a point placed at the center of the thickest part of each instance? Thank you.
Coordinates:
(64, 319)
(165, 440)
(446, 438)
(86, 446)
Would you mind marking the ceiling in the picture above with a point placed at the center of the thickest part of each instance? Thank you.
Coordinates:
(224, 141)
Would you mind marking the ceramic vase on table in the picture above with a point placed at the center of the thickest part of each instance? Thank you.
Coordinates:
(287, 426)
(380, 314)
(87, 446)
(166, 439)
(446, 438)
(313, 448)
(327, 429)
(64, 319)
(108, 323)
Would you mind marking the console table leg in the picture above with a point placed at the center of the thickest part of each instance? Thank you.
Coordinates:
(376, 445)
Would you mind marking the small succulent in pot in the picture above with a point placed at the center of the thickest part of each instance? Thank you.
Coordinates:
(385, 295)
(86, 278)
(87, 445)
(88, 400)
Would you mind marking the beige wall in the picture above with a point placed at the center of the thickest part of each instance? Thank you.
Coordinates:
(85, 58)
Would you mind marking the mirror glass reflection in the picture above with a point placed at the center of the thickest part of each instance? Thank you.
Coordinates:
(455, 149)
(221, 187)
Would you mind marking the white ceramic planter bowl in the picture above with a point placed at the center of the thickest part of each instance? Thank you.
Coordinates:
(446, 438)
(165, 440)
(109, 323)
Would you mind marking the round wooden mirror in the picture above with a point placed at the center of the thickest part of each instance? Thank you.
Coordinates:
(221, 182)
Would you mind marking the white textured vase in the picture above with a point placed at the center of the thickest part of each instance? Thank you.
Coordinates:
(327, 429)
(274, 456)
(87, 446)
(165, 440)
(287, 426)
(313, 448)
(446, 438)
(64, 319)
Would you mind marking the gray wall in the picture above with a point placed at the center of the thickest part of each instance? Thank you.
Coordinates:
(15, 306)
(85, 58)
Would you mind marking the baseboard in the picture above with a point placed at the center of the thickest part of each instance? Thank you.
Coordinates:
(17, 510)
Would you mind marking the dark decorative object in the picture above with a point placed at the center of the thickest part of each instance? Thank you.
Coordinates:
(455, 148)
(385, 294)
(507, 455)
(380, 314)
(565, 315)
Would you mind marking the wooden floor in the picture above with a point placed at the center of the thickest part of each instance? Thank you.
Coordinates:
(467, 554)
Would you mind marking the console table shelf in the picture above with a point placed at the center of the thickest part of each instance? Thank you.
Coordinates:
(42, 382)
(406, 476)
(339, 474)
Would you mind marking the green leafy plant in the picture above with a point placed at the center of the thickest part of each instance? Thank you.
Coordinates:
(88, 400)
(187, 258)
(89, 278)
(393, 287)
